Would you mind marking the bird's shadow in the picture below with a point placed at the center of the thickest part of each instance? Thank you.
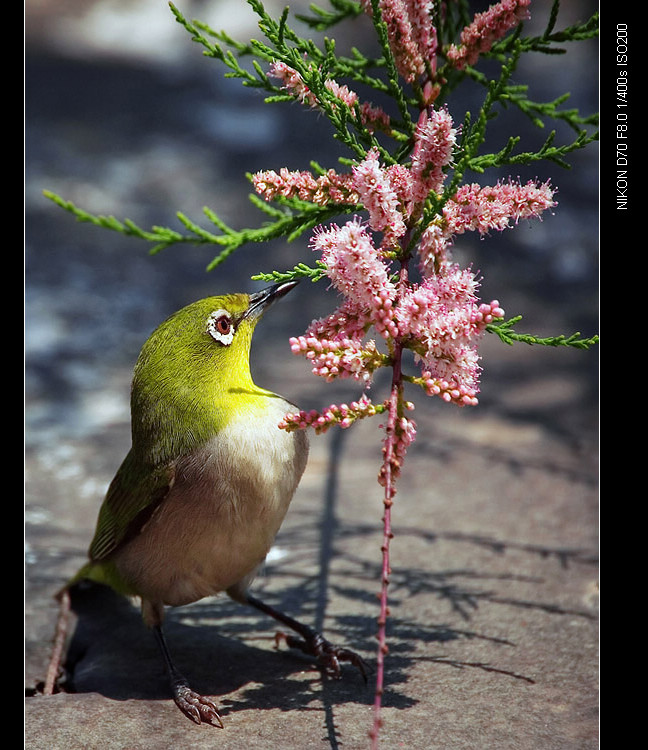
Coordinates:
(112, 653)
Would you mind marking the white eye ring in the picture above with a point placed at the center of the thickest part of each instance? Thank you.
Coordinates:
(220, 328)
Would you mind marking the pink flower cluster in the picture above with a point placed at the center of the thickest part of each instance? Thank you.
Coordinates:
(380, 197)
(374, 118)
(357, 271)
(442, 321)
(474, 208)
(487, 28)
(337, 358)
(413, 38)
(439, 319)
(414, 44)
(389, 194)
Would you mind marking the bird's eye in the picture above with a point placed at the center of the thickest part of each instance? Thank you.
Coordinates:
(220, 328)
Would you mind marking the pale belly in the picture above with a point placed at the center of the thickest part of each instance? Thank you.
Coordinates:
(221, 516)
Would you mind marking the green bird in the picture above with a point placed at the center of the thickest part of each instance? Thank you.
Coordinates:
(197, 502)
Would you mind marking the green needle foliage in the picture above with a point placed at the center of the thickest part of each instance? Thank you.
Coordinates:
(504, 329)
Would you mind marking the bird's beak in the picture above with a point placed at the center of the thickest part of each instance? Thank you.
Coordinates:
(260, 301)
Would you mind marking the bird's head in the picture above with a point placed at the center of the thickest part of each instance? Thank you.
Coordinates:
(194, 368)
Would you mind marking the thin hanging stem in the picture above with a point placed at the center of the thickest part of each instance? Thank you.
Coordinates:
(58, 648)
(388, 501)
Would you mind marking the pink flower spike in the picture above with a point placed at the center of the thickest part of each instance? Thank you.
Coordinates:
(476, 208)
(292, 82)
(357, 271)
(374, 186)
(374, 118)
(486, 29)
(442, 322)
(328, 188)
(462, 395)
(343, 415)
(403, 436)
(338, 358)
(434, 249)
(434, 141)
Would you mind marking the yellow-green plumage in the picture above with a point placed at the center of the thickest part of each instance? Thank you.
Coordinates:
(207, 461)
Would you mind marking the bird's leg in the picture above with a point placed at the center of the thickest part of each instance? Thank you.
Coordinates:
(311, 642)
(197, 707)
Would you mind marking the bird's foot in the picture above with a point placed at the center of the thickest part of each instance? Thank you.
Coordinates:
(310, 642)
(197, 707)
(326, 653)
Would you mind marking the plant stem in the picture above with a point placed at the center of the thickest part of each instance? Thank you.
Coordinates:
(56, 658)
(394, 410)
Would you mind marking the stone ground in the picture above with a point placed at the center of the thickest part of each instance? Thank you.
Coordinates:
(493, 630)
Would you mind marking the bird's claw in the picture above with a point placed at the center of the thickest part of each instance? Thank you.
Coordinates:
(197, 707)
(327, 654)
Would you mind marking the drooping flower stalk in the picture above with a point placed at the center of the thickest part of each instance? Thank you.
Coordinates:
(387, 480)
(343, 415)
(412, 35)
(372, 117)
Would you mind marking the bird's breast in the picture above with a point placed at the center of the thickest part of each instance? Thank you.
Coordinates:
(221, 516)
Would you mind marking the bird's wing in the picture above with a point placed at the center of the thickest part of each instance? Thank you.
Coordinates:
(133, 496)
